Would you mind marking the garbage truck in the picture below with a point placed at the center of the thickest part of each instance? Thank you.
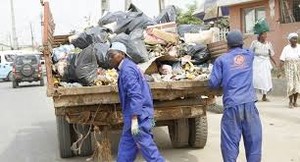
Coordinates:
(179, 105)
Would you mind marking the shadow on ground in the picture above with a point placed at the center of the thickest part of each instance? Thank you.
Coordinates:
(38, 143)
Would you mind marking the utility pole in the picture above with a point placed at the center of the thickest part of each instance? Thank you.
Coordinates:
(10, 42)
(127, 4)
(32, 38)
(13, 25)
(162, 5)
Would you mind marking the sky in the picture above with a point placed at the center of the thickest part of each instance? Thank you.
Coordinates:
(68, 15)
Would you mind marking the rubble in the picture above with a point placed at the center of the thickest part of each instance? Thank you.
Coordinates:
(156, 48)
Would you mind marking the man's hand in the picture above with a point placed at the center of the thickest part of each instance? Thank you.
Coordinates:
(134, 126)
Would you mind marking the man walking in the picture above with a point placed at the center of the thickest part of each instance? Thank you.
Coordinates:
(233, 72)
(137, 107)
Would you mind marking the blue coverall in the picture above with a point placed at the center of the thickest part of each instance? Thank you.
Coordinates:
(233, 72)
(136, 99)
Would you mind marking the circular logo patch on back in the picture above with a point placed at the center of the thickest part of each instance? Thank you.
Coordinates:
(239, 60)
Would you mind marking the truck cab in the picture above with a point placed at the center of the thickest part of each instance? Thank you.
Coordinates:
(6, 62)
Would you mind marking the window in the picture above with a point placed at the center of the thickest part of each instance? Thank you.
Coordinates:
(26, 60)
(296, 10)
(9, 58)
(250, 16)
(290, 11)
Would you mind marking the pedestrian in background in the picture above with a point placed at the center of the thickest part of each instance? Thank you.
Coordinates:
(137, 108)
(290, 59)
(233, 72)
(263, 55)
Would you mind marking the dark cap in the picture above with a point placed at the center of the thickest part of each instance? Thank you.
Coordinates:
(235, 38)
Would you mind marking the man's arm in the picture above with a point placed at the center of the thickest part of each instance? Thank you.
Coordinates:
(282, 58)
(216, 75)
(280, 70)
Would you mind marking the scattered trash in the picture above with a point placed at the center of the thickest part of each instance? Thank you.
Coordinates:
(153, 44)
(62, 52)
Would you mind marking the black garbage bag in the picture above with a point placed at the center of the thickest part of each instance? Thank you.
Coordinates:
(100, 50)
(135, 19)
(70, 75)
(137, 38)
(198, 52)
(167, 15)
(86, 66)
(136, 49)
(90, 36)
(112, 17)
(123, 25)
(187, 28)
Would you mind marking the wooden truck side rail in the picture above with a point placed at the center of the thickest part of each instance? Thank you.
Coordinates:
(162, 91)
(48, 40)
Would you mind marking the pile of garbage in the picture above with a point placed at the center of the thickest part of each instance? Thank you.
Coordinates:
(163, 50)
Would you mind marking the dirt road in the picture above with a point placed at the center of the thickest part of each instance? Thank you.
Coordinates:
(28, 131)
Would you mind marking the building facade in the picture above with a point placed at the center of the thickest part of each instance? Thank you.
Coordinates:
(283, 17)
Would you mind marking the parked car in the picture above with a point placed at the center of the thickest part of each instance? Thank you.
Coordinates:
(6, 62)
(27, 68)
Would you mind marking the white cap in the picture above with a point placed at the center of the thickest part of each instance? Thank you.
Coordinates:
(118, 46)
(292, 35)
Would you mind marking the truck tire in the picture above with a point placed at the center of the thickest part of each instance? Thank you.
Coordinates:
(27, 70)
(86, 148)
(64, 137)
(198, 132)
(179, 133)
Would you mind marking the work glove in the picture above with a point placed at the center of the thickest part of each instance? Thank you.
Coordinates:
(134, 126)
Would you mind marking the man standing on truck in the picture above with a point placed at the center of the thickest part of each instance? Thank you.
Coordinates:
(233, 72)
(137, 107)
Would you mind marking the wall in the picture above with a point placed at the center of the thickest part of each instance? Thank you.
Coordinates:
(279, 32)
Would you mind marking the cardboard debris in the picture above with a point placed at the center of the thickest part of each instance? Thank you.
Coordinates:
(167, 27)
(168, 37)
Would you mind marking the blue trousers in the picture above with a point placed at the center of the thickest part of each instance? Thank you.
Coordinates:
(241, 120)
(130, 145)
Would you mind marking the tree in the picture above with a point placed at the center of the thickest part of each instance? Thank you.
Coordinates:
(187, 17)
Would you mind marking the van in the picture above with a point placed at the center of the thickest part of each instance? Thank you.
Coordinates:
(6, 65)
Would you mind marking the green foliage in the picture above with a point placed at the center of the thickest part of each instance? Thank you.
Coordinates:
(222, 22)
(187, 16)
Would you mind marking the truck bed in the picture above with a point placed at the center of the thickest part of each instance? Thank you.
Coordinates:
(162, 91)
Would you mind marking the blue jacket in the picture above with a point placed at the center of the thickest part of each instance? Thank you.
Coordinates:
(134, 92)
(233, 72)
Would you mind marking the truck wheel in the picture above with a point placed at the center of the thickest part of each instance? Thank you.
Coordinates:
(64, 137)
(198, 132)
(86, 148)
(42, 83)
(179, 133)
(15, 84)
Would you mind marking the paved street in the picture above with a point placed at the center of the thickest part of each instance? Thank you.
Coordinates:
(28, 131)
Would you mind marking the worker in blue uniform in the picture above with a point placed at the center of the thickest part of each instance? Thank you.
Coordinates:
(137, 108)
(233, 72)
